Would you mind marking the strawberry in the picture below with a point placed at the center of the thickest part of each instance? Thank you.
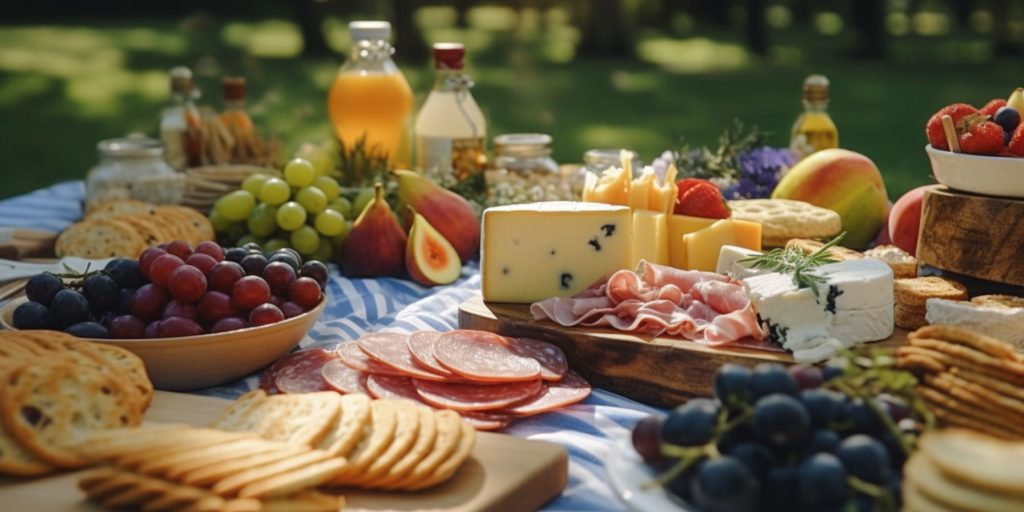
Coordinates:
(980, 136)
(936, 136)
(1016, 145)
(991, 107)
(702, 200)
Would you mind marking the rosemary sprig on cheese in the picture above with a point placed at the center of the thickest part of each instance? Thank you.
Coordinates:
(793, 261)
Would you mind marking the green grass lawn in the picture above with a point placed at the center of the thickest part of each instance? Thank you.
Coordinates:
(64, 87)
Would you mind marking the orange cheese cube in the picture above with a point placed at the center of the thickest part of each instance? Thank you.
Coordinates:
(650, 237)
(748, 234)
(678, 227)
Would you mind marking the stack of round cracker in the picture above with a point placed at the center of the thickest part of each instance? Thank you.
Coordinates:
(968, 380)
(56, 391)
(126, 227)
(388, 444)
(962, 471)
(912, 296)
(205, 185)
(785, 219)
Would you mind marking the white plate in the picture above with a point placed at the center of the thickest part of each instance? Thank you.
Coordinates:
(988, 175)
(629, 476)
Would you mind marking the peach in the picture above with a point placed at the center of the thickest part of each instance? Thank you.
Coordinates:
(843, 181)
(905, 219)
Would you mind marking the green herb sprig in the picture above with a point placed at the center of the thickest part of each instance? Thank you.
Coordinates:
(792, 260)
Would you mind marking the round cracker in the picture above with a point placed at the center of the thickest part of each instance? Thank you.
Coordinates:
(451, 464)
(49, 406)
(977, 460)
(351, 426)
(449, 434)
(199, 223)
(923, 474)
(376, 438)
(784, 219)
(100, 238)
(407, 429)
(424, 444)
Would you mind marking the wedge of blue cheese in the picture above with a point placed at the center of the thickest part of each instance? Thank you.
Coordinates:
(535, 251)
(854, 304)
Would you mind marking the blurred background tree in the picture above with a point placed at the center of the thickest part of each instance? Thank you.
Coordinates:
(630, 73)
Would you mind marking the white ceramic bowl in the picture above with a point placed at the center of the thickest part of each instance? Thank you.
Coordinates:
(988, 175)
(195, 362)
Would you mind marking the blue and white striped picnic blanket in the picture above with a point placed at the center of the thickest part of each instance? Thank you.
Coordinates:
(356, 306)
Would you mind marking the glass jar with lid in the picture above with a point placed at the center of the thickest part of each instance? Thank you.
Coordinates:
(597, 160)
(524, 171)
(133, 167)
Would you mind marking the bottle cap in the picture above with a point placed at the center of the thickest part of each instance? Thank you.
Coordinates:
(233, 88)
(369, 30)
(181, 79)
(449, 55)
(816, 88)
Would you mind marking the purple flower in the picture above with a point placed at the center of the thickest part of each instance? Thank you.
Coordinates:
(760, 170)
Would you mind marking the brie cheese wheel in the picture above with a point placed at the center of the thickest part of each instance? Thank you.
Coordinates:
(826, 350)
(790, 316)
(856, 284)
(729, 262)
(852, 326)
(1003, 323)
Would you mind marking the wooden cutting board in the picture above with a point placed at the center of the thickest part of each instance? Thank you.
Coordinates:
(974, 235)
(504, 473)
(658, 371)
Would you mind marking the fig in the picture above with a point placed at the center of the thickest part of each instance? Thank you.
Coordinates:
(375, 246)
(450, 214)
(429, 258)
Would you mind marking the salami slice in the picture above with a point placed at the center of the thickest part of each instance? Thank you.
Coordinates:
(483, 356)
(390, 386)
(391, 349)
(343, 379)
(460, 396)
(571, 389)
(551, 358)
(300, 373)
(267, 379)
(487, 420)
(352, 356)
(421, 347)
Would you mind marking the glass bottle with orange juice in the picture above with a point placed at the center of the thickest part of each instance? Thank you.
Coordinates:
(370, 100)
(814, 130)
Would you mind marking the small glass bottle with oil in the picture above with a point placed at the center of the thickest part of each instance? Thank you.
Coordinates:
(814, 130)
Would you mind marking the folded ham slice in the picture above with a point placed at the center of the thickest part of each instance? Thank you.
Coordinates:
(657, 299)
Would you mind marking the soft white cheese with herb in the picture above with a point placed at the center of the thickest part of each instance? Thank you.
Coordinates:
(854, 304)
(730, 262)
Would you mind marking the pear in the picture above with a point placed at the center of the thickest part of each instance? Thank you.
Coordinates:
(429, 258)
(1016, 100)
(375, 246)
(451, 214)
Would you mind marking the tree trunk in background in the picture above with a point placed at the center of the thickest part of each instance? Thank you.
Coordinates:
(962, 12)
(1005, 46)
(802, 12)
(711, 12)
(757, 27)
(606, 32)
(869, 21)
(308, 17)
(462, 13)
(409, 44)
(666, 14)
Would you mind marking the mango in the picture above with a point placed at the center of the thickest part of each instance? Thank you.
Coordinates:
(846, 182)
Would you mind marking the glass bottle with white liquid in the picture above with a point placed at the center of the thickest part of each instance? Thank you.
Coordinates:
(450, 128)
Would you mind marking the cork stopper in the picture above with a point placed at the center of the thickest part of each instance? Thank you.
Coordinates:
(816, 88)
(181, 80)
(233, 88)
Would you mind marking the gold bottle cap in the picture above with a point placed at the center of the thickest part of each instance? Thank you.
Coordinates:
(816, 88)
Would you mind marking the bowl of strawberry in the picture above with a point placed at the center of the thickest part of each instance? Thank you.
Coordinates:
(987, 155)
(197, 316)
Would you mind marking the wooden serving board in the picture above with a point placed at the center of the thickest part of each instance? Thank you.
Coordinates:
(504, 473)
(974, 235)
(654, 370)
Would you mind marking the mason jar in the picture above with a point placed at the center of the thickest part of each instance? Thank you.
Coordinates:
(524, 171)
(597, 160)
(133, 167)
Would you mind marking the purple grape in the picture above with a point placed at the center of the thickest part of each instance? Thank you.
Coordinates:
(647, 439)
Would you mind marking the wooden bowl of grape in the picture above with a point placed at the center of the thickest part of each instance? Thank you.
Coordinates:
(197, 317)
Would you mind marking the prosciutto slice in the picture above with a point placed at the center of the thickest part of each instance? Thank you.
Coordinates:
(656, 299)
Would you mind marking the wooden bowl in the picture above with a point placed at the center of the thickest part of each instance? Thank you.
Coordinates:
(194, 362)
(978, 174)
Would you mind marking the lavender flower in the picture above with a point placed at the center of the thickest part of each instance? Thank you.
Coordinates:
(760, 171)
